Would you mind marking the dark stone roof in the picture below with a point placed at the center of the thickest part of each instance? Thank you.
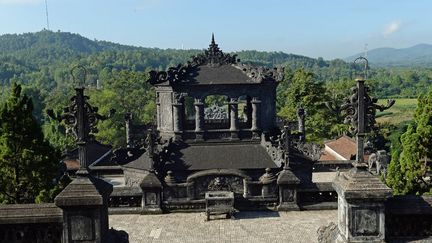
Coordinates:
(95, 150)
(287, 177)
(144, 162)
(84, 190)
(150, 181)
(206, 156)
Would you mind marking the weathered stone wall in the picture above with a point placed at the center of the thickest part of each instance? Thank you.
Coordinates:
(409, 217)
(22, 223)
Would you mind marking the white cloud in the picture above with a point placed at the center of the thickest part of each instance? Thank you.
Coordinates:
(19, 2)
(391, 28)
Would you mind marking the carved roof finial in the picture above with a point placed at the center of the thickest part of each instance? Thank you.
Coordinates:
(213, 53)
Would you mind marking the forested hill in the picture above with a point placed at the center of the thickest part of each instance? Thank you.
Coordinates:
(415, 56)
(31, 52)
(43, 60)
(50, 47)
(117, 74)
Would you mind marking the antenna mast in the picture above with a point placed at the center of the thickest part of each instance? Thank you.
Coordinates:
(46, 12)
(366, 50)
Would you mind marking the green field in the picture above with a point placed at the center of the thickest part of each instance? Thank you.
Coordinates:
(402, 110)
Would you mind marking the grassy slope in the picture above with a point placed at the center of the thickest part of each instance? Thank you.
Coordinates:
(401, 111)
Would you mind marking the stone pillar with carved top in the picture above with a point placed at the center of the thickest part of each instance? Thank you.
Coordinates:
(152, 194)
(85, 200)
(234, 123)
(361, 195)
(361, 198)
(256, 103)
(178, 117)
(288, 183)
(199, 119)
(158, 111)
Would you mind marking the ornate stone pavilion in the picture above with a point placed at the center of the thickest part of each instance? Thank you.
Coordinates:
(239, 148)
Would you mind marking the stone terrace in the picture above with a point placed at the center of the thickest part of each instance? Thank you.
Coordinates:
(248, 227)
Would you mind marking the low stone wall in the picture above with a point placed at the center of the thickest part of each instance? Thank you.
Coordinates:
(22, 223)
(317, 196)
(409, 217)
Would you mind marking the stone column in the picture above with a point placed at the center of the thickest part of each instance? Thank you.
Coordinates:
(128, 119)
(234, 126)
(178, 118)
(158, 115)
(361, 124)
(301, 123)
(85, 200)
(361, 195)
(199, 119)
(248, 111)
(255, 117)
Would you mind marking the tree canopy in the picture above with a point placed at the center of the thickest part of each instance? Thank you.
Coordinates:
(301, 89)
(28, 163)
(410, 164)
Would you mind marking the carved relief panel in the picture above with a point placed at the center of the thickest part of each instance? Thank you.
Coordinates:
(218, 183)
(365, 221)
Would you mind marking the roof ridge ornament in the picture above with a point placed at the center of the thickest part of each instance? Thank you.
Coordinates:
(213, 56)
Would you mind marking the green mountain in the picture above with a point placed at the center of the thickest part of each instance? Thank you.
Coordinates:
(416, 56)
(53, 53)
(53, 47)
(43, 60)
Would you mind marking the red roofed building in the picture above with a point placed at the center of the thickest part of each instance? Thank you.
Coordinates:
(342, 148)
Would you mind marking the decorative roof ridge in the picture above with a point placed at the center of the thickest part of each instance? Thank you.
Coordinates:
(259, 74)
(214, 57)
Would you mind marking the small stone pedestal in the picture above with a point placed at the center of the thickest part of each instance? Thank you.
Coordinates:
(361, 198)
(287, 183)
(85, 210)
(151, 188)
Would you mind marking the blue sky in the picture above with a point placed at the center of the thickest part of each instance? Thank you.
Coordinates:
(330, 29)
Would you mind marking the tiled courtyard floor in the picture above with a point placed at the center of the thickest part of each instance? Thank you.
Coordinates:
(247, 227)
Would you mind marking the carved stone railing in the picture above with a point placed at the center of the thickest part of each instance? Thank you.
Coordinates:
(31, 223)
(409, 217)
(125, 200)
(245, 134)
(332, 165)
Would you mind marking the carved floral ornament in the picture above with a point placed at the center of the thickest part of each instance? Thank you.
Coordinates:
(70, 114)
(350, 110)
(214, 57)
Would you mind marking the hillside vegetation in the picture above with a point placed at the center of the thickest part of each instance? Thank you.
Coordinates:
(42, 62)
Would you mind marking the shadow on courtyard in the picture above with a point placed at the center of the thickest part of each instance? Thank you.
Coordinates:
(256, 214)
(118, 236)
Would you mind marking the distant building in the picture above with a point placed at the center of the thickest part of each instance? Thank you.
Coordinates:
(341, 148)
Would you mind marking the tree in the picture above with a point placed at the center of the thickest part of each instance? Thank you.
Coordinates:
(28, 164)
(125, 92)
(408, 169)
(304, 91)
